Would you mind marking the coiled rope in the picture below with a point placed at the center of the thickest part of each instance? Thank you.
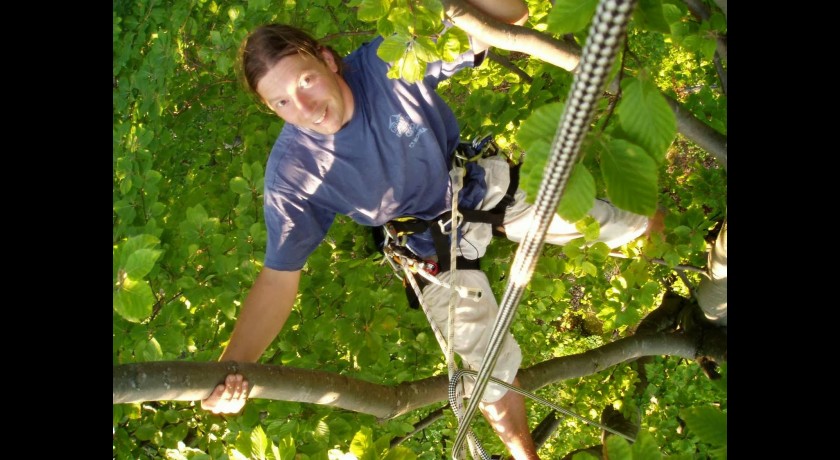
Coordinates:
(608, 27)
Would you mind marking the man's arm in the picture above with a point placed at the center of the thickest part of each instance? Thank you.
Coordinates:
(263, 315)
(508, 11)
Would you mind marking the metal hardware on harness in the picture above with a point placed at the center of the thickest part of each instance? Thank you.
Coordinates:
(399, 256)
(458, 217)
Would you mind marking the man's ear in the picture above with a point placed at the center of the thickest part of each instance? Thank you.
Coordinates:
(329, 59)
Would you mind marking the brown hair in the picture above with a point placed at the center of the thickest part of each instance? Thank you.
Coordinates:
(268, 44)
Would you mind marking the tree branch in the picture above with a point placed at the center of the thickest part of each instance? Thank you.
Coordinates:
(545, 428)
(611, 354)
(511, 37)
(192, 381)
(506, 63)
(701, 133)
(420, 426)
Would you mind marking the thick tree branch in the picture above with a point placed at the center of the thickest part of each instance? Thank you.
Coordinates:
(611, 354)
(511, 37)
(566, 56)
(192, 381)
(701, 133)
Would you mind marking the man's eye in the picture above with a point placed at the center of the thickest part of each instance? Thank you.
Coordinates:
(281, 104)
(305, 82)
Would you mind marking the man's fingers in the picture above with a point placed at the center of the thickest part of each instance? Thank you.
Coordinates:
(229, 397)
(211, 401)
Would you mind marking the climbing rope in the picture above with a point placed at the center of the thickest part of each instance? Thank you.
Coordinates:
(608, 27)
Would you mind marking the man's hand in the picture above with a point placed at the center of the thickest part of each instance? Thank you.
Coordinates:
(227, 398)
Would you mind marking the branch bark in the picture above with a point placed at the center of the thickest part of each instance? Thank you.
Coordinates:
(566, 56)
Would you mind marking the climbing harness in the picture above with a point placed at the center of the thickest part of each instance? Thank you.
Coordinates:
(445, 231)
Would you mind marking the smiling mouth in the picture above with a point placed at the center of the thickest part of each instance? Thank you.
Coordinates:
(321, 118)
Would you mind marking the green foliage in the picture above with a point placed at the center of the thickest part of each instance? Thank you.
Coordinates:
(189, 149)
(569, 16)
(646, 117)
(631, 177)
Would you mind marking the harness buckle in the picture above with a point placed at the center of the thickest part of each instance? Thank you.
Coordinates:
(459, 219)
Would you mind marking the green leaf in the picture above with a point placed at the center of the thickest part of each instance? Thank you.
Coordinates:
(618, 448)
(426, 49)
(372, 10)
(321, 432)
(649, 15)
(452, 43)
(145, 432)
(362, 444)
(153, 351)
(141, 262)
(599, 251)
(259, 443)
(408, 67)
(645, 447)
(400, 453)
(384, 322)
(535, 137)
(707, 423)
(589, 268)
(125, 185)
(570, 16)
(133, 300)
(196, 214)
(630, 176)
(239, 185)
(579, 195)
(393, 48)
(540, 126)
(646, 117)
(589, 228)
(584, 456)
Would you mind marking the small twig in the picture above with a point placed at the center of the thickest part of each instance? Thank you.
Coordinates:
(508, 64)
(614, 100)
(679, 268)
(331, 37)
(420, 426)
(160, 303)
(687, 283)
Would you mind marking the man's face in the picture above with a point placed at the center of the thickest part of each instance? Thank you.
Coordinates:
(308, 93)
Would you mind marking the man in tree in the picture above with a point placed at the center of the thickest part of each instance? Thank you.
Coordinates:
(360, 144)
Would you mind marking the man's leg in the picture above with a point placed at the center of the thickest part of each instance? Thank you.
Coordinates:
(507, 417)
(473, 326)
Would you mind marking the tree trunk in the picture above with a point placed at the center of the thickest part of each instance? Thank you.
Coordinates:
(566, 56)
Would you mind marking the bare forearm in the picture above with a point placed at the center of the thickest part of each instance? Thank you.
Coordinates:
(263, 315)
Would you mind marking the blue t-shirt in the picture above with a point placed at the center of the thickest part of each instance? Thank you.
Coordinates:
(390, 160)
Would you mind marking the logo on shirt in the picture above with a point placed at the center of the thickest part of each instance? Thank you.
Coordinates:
(400, 126)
